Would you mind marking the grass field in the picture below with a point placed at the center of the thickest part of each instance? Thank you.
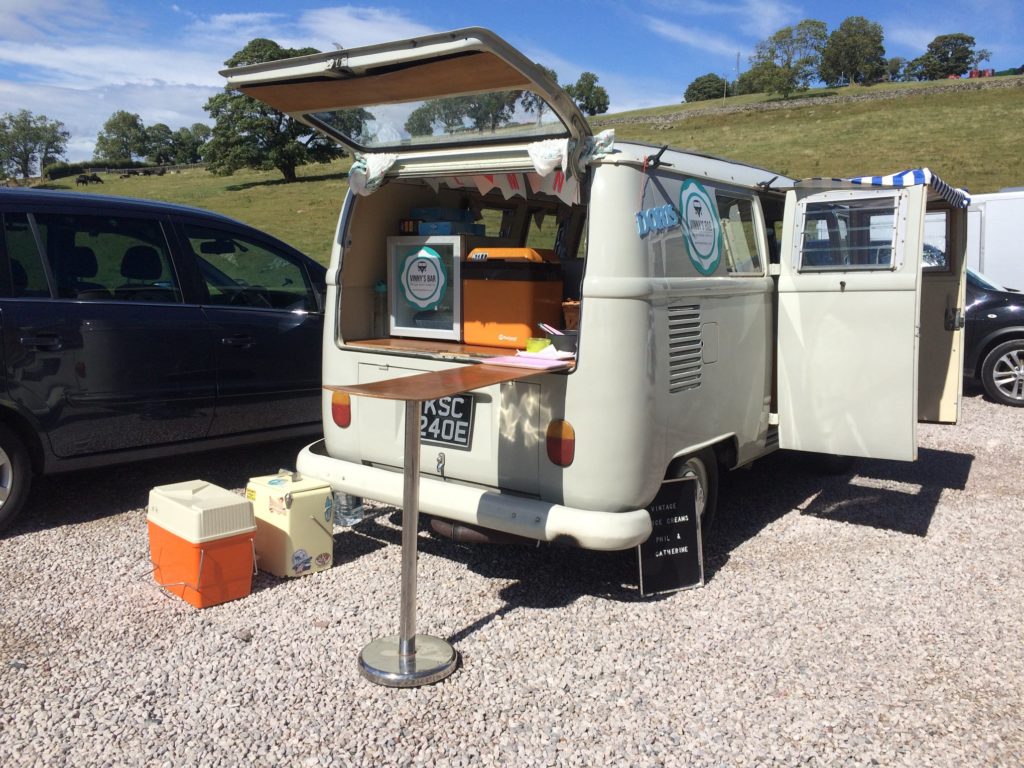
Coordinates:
(971, 138)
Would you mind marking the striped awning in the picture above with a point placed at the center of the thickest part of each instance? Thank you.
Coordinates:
(959, 198)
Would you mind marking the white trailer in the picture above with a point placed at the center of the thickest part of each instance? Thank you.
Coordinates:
(995, 236)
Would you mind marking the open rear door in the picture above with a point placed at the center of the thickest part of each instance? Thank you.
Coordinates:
(466, 90)
(850, 323)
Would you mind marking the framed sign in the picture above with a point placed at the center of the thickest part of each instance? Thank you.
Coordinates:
(672, 558)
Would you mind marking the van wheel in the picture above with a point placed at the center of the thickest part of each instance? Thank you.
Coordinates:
(15, 476)
(1002, 373)
(703, 468)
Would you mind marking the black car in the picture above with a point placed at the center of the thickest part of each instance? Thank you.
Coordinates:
(134, 329)
(994, 347)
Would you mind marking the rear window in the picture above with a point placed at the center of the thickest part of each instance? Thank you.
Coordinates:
(495, 116)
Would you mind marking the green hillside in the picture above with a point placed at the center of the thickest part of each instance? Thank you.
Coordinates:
(972, 138)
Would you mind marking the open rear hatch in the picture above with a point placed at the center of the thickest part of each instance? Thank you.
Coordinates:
(465, 90)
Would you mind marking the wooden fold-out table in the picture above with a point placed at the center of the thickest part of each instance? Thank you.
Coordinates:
(408, 659)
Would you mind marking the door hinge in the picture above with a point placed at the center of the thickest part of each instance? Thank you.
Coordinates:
(954, 319)
(773, 419)
(774, 270)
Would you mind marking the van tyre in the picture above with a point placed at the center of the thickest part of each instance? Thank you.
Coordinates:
(703, 467)
(1002, 373)
(15, 476)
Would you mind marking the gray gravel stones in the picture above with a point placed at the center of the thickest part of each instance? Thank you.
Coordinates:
(865, 619)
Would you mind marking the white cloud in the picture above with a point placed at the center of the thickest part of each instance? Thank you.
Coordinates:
(755, 18)
(85, 66)
(695, 38)
(351, 26)
(33, 19)
(77, 63)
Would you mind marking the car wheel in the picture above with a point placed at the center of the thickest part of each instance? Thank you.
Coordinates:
(1002, 373)
(15, 476)
(702, 467)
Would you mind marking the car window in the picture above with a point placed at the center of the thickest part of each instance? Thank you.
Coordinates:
(108, 258)
(27, 276)
(242, 272)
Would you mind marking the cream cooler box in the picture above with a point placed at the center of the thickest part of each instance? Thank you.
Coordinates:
(294, 524)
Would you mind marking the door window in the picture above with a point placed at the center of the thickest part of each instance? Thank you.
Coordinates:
(27, 276)
(848, 234)
(739, 236)
(936, 237)
(108, 258)
(242, 272)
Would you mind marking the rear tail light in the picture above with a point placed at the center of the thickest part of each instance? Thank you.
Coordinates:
(341, 409)
(561, 440)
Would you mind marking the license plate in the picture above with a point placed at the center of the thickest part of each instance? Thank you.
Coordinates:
(447, 421)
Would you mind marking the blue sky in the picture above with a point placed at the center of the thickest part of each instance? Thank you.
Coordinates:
(79, 61)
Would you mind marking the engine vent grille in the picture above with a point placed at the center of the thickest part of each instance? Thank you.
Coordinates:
(684, 348)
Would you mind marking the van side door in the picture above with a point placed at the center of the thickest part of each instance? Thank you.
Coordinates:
(848, 326)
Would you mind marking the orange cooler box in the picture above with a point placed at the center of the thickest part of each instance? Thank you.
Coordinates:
(506, 292)
(201, 542)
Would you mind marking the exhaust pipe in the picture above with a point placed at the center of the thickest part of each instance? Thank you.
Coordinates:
(471, 534)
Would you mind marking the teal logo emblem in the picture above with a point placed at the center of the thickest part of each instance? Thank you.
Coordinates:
(702, 229)
(423, 278)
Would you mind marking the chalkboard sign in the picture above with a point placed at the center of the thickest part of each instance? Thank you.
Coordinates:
(671, 559)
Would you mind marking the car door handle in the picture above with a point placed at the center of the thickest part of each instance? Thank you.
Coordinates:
(241, 340)
(49, 342)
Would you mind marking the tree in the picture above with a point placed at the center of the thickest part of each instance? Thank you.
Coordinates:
(853, 53)
(789, 59)
(590, 97)
(250, 134)
(480, 112)
(187, 144)
(757, 79)
(490, 111)
(29, 141)
(122, 138)
(533, 103)
(709, 86)
(159, 144)
(895, 69)
(947, 55)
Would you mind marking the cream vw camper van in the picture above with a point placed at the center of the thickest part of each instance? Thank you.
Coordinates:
(719, 311)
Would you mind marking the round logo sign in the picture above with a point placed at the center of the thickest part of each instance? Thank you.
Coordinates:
(701, 227)
(424, 278)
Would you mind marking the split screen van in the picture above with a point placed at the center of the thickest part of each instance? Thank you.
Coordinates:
(720, 311)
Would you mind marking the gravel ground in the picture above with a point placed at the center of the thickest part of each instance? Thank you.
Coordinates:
(867, 619)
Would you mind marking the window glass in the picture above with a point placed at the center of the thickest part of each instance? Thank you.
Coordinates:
(739, 237)
(852, 234)
(27, 276)
(244, 273)
(936, 236)
(111, 258)
(694, 228)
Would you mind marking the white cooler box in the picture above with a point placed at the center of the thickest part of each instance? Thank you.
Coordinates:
(294, 524)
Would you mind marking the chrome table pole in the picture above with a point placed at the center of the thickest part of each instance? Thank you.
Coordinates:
(407, 660)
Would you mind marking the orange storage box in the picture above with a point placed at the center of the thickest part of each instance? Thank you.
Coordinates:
(506, 292)
(201, 542)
